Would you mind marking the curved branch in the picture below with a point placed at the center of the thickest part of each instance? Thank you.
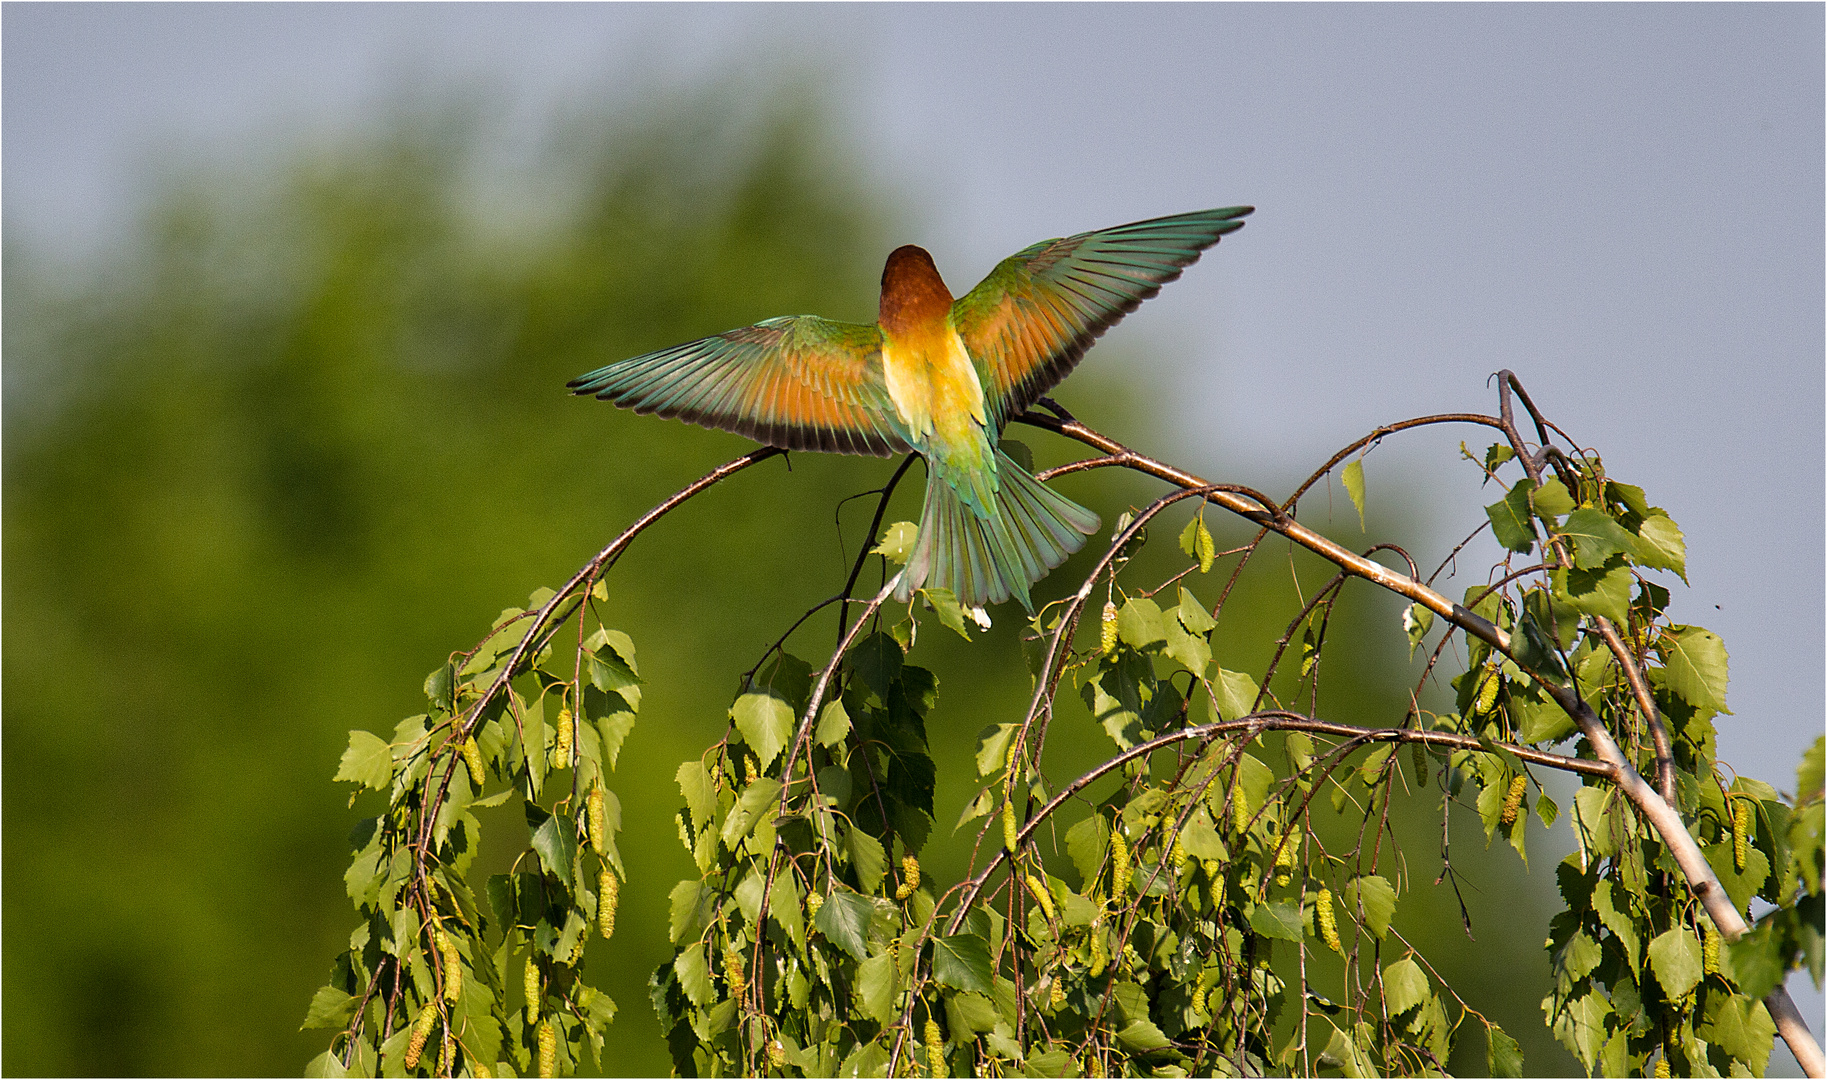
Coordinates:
(1660, 815)
(1268, 720)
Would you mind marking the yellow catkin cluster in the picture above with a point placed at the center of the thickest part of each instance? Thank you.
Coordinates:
(1328, 921)
(1512, 800)
(1284, 856)
(1057, 996)
(1741, 832)
(751, 767)
(1199, 998)
(777, 1053)
(548, 1049)
(480, 1070)
(453, 967)
(421, 1030)
(530, 986)
(1042, 895)
(472, 757)
(561, 744)
(910, 878)
(608, 892)
(935, 1047)
(1094, 1066)
(1418, 757)
(732, 971)
(1663, 1070)
(1240, 813)
(1098, 959)
(1710, 950)
(1009, 832)
(1179, 854)
(596, 816)
(1487, 690)
(1119, 867)
(1107, 638)
(814, 901)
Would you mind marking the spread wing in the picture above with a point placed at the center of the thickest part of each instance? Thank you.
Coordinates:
(1027, 324)
(798, 382)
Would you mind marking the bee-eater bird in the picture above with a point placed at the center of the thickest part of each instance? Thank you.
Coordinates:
(936, 376)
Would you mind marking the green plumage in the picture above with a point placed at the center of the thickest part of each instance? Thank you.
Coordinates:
(988, 530)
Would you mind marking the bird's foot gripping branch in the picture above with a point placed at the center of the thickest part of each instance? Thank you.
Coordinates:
(1222, 895)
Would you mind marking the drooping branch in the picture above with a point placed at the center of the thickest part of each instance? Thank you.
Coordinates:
(1659, 813)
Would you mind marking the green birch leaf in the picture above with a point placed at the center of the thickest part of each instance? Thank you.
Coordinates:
(877, 988)
(1417, 620)
(766, 722)
(1661, 545)
(993, 747)
(1139, 623)
(1142, 1036)
(700, 795)
(613, 728)
(1404, 986)
(1233, 694)
(877, 659)
(897, 542)
(326, 1064)
(330, 1008)
(1190, 651)
(1616, 917)
(1193, 614)
(1552, 499)
(1596, 537)
(1511, 521)
(1085, 843)
(1353, 479)
(1372, 898)
(866, 858)
(1630, 495)
(368, 761)
(556, 843)
(1740, 1026)
(1280, 919)
(1675, 958)
(962, 962)
(687, 906)
(1502, 1055)
(783, 907)
(945, 604)
(755, 804)
(610, 673)
(693, 971)
(1695, 664)
(1343, 1053)
(844, 920)
(1602, 590)
(833, 724)
(1201, 839)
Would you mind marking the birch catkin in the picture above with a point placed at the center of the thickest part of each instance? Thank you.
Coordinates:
(1512, 800)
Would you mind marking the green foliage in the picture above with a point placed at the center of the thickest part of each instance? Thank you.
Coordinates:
(1199, 930)
(423, 946)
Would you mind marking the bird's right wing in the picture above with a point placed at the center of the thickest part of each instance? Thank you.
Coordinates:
(1027, 324)
(798, 382)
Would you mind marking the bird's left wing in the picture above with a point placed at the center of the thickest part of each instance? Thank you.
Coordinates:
(798, 382)
(1027, 324)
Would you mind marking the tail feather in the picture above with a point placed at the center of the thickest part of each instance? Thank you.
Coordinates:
(986, 560)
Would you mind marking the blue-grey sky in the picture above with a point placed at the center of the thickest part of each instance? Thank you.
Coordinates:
(1624, 204)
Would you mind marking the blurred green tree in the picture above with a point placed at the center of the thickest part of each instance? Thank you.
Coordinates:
(267, 470)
